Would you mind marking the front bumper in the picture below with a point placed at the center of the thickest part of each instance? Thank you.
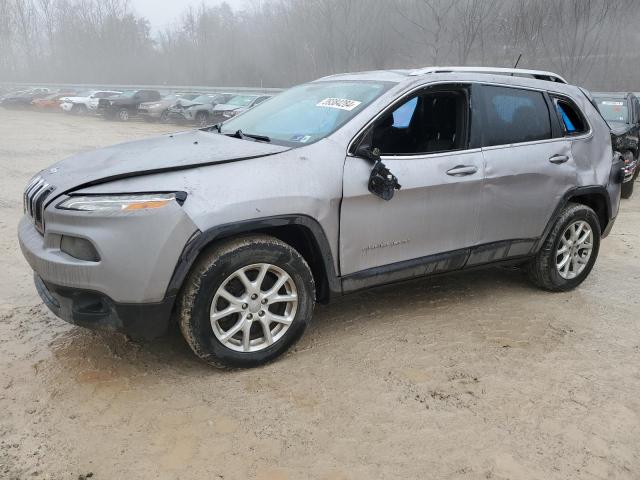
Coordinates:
(138, 251)
(99, 312)
(147, 113)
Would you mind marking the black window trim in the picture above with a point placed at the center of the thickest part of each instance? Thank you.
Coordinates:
(564, 98)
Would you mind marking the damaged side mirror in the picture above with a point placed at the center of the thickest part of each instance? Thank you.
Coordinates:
(382, 182)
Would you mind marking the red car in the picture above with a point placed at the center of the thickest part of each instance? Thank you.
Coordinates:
(50, 102)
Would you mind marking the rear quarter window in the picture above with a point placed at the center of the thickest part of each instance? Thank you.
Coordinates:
(571, 118)
(514, 115)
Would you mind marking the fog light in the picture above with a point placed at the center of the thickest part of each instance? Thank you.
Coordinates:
(79, 248)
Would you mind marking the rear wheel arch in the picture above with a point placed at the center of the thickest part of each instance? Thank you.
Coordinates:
(596, 200)
(594, 197)
(301, 232)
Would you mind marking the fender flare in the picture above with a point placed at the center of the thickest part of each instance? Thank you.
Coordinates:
(566, 198)
(202, 239)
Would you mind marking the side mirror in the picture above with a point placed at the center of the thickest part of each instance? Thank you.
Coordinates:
(382, 182)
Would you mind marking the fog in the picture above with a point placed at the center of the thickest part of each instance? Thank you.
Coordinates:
(278, 43)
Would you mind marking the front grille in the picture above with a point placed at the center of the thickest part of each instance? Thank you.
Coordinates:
(34, 199)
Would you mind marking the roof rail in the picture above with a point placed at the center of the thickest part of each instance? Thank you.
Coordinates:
(537, 74)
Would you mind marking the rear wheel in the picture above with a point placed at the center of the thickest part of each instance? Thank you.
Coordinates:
(246, 302)
(569, 252)
(123, 115)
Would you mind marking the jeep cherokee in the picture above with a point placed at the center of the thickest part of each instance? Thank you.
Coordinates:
(334, 186)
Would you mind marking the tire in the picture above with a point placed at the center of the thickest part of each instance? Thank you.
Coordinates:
(215, 272)
(124, 115)
(627, 188)
(543, 270)
(79, 109)
(164, 117)
(202, 119)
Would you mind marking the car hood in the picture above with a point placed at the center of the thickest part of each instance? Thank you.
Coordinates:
(186, 103)
(225, 107)
(154, 155)
(619, 128)
(73, 99)
(161, 103)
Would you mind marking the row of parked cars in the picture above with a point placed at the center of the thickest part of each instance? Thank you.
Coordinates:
(192, 107)
(620, 110)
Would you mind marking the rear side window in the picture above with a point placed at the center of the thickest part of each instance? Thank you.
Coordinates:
(514, 115)
(572, 121)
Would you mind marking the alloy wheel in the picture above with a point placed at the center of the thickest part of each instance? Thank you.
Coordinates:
(574, 249)
(254, 307)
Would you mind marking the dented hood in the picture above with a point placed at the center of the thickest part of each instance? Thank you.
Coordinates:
(167, 153)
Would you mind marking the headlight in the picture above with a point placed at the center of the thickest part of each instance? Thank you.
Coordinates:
(120, 203)
(229, 114)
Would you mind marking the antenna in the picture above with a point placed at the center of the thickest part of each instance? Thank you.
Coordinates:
(517, 61)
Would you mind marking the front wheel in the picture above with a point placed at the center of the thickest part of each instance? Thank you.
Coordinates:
(246, 302)
(202, 119)
(569, 252)
(627, 188)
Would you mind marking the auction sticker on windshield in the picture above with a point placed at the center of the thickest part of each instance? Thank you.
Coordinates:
(339, 103)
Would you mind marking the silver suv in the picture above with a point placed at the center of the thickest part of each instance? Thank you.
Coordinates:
(338, 185)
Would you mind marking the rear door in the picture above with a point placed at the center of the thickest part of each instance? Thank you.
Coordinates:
(425, 141)
(529, 164)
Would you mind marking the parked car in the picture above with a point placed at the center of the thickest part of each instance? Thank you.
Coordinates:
(85, 102)
(334, 186)
(233, 107)
(622, 113)
(125, 105)
(198, 110)
(24, 99)
(159, 110)
(50, 102)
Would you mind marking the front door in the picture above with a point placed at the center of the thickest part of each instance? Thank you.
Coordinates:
(424, 141)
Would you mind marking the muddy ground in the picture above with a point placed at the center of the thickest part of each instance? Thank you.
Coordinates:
(474, 376)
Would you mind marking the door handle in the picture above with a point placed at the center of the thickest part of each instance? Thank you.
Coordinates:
(462, 170)
(558, 159)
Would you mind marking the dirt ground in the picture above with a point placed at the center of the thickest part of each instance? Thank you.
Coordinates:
(470, 376)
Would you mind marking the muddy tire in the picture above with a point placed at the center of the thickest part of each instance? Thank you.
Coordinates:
(246, 301)
(569, 251)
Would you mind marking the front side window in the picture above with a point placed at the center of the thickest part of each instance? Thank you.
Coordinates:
(430, 122)
(307, 113)
(514, 115)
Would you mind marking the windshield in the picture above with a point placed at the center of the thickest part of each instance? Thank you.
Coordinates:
(613, 109)
(307, 113)
(241, 100)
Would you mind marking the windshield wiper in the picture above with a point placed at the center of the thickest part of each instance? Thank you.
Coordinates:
(241, 135)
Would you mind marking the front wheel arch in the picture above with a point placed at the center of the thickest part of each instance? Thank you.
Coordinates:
(301, 232)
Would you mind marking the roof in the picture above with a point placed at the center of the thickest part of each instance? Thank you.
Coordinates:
(409, 78)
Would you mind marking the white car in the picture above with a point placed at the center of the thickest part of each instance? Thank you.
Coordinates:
(86, 102)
